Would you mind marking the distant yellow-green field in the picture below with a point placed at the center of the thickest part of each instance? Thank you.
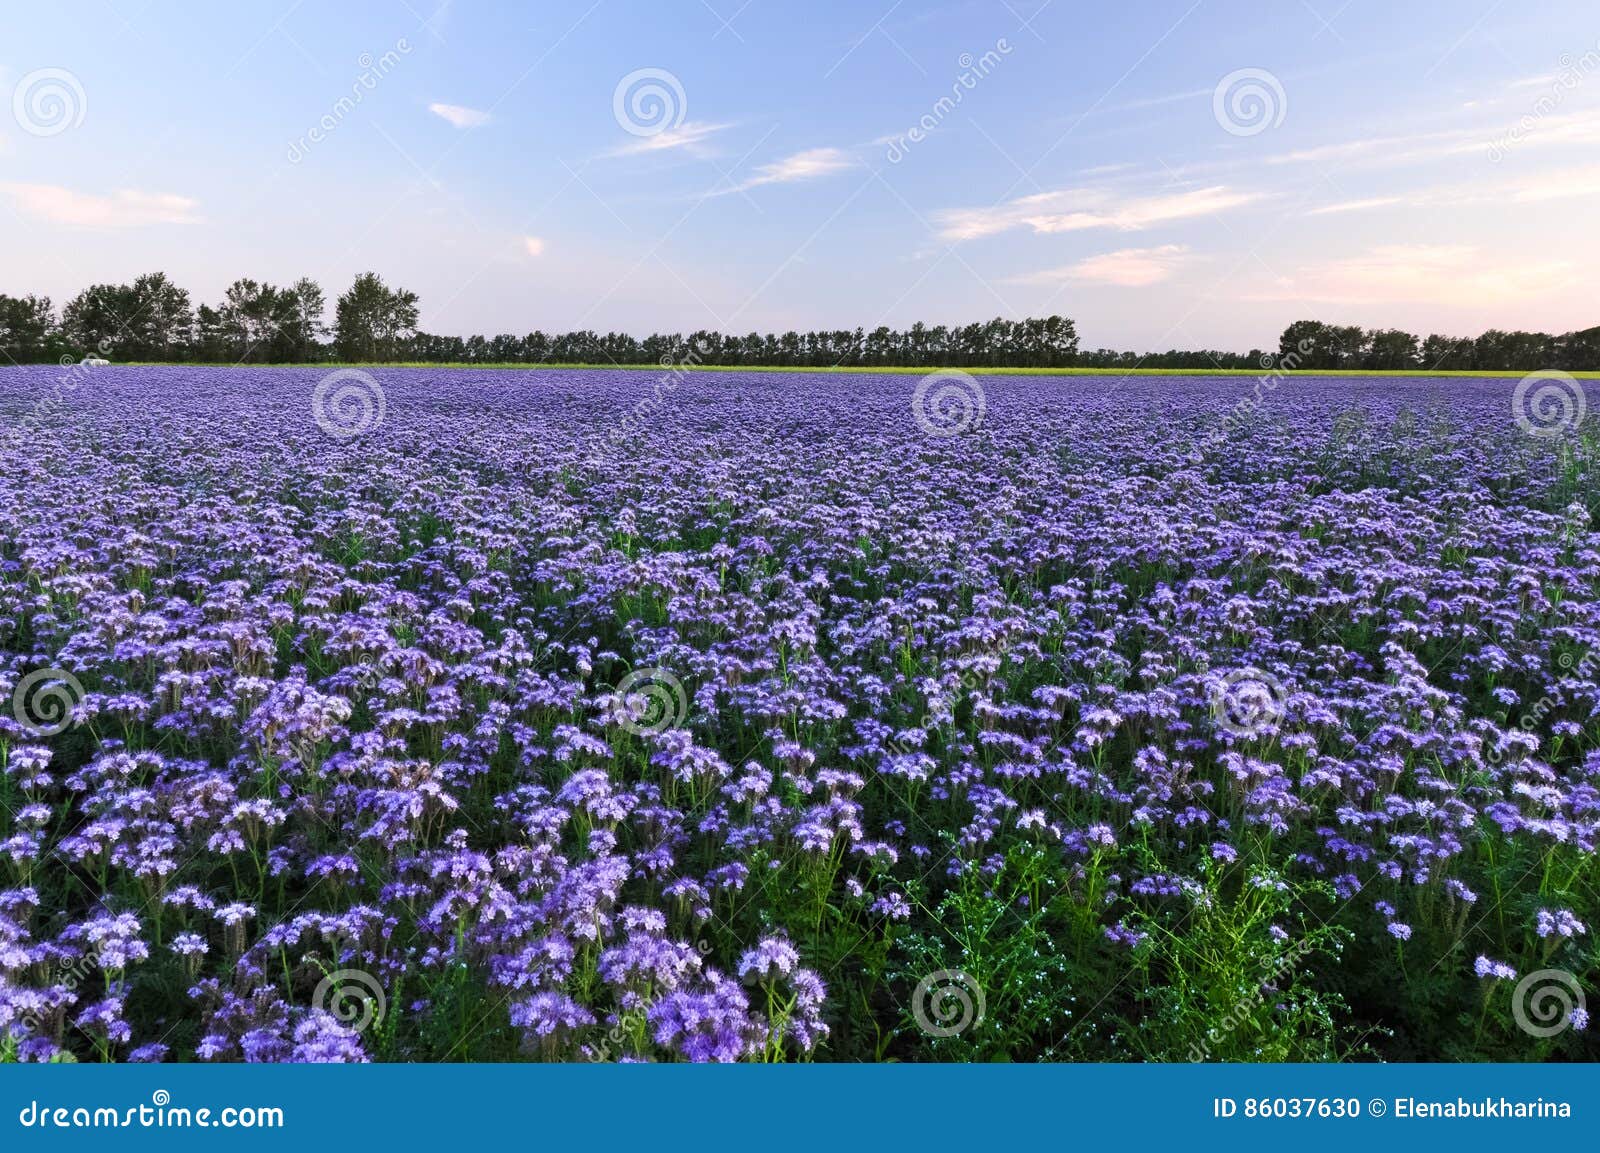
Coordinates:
(977, 370)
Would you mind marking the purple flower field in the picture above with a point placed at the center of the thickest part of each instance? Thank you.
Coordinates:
(612, 716)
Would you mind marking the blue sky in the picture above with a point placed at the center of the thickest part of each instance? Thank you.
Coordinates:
(1432, 165)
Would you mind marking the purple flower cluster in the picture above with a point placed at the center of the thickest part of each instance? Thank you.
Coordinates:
(353, 706)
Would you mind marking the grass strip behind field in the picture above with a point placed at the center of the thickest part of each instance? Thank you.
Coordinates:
(901, 370)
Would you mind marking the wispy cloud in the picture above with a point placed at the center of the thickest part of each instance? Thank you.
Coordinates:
(811, 164)
(1158, 101)
(1454, 275)
(459, 115)
(1532, 187)
(1109, 169)
(125, 208)
(1535, 128)
(1391, 146)
(1125, 268)
(1558, 184)
(1073, 209)
(689, 135)
(1356, 205)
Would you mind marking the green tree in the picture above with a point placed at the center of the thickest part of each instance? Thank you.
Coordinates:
(1529, 351)
(159, 319)
(1575, 351)
(371, 320)
(1313, 344)
(208, 340)
(1060, 341)
(1349, 345)
(1306, 344)
(27, 328)
(1390, 349)
(307, 307)
(1523, 351)
(1447, 353)
(251, 316)
(95, 321)
(149, 319)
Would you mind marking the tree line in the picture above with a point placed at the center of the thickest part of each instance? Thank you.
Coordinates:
(1319, 345)
(1311, 344)
(260, 323)
(255, 322)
